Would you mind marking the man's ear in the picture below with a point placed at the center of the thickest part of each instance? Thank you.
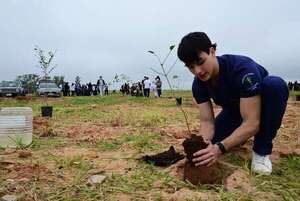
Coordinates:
(212, 51)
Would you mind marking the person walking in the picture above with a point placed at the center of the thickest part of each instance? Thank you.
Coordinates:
(158, 83)
(147, 86)
(101, 85)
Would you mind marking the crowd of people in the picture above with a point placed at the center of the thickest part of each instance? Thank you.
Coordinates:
(143, 88)
(139, 88)
(89, 89)
(294, 86)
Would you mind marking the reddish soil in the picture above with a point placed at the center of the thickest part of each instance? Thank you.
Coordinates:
(17, 171)
(114, 162)
(94, 133)
(187, 194)
(235, 179)
(72, 152)
(177, 133)
(193, 144)
(123, 197)
(43, 127)
(26, 98)
(24, 154)
(40, 123)
(200, 174)
(239, 180)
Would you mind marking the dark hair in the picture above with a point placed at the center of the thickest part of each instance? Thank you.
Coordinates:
(192, 44)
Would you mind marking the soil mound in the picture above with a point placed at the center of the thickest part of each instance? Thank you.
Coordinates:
(192, 145)
(197, 174)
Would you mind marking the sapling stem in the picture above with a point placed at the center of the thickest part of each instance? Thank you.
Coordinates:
(165, 74)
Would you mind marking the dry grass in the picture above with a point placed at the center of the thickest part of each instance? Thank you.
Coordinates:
(88, 135)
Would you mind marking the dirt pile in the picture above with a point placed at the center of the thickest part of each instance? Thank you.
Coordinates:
(40, 123)
(192, 145)
(187, 194)
(24, 98)
(43, 127)
(17, 171)
(215, 174)
(197, 174)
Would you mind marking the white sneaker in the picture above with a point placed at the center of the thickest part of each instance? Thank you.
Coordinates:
(261, 164)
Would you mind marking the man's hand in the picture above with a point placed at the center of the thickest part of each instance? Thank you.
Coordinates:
(207, 156)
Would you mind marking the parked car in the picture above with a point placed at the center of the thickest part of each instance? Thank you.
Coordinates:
(11, 88)
(48, 88)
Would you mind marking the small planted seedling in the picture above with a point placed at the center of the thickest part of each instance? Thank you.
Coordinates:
(166, 73)
(194, 174)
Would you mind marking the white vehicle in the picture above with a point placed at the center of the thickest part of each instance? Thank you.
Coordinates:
(48, 88)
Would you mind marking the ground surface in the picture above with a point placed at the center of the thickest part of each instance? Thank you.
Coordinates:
(93, 135)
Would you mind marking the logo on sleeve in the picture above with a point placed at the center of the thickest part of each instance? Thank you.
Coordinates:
(250, 82)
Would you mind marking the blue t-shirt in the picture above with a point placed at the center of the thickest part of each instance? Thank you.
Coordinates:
(239, 77)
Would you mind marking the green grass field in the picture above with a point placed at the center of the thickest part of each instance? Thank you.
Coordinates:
(91, 135)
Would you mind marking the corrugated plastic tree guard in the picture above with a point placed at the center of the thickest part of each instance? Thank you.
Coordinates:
(15, 126)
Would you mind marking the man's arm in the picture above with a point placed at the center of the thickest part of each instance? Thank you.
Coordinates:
(206, 120)
(250, 109)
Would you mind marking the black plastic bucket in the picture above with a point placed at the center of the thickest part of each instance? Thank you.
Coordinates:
(178, 100)
(46, 111)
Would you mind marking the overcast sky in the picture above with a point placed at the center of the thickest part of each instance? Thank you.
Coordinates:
(95, 37)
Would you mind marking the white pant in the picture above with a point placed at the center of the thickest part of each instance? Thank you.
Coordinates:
(101, 89)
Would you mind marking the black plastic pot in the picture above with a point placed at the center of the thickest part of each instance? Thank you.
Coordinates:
(178, 100)
(297, 97)
(47, 111)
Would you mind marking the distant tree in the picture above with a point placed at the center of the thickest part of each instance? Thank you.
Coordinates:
(29, 81)
(45, 62)
(77, 80)
(58, 79)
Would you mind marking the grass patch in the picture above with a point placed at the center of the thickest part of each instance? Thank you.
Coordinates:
(86, 100)
(140, 142)
(294, 93)
(75, 162)
(153, 119)
(235, 159)
(39, 143)
(108, 146)
(140, 180)
(284, 181)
